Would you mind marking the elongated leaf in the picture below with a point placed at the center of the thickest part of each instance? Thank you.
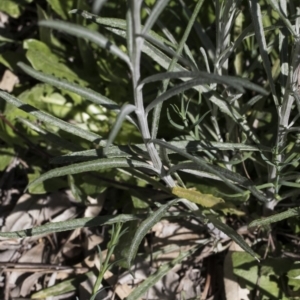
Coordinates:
(144, 228)
(43, 59)
(90, 136)
(233, 235)
(156, 11)
(124, 112)
(126, 151)
(163, 270)
(202, 79)
(172, 66)
(68, 225)
(234, 177)
(113, 151)
(176, 90)
(50, 137)
(206, 200)
(169, 75)
(169, 51)
(62, 287)
(141, 175)
(75, 88)
(164, 61)
(198, 161)
(237, 83)
(94, 165)
(275, 5)
(63, 84)
(90, 35)
(118, 24)
(292, 212)
(261, 40)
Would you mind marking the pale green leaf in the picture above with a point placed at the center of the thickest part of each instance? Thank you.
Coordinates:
(164, 61)
(126, 151)
(156, 11)
(232, 234)
(292, 212)
(12, 7)
(79, 90)
(88, 34)
(204, 165)
(117, 24)
(92, 137)
(143, 229)
(62, 8)
(94, 165)
(42, 59)
(124, 112)
(206, 200)
(63, 287)
(68, 225)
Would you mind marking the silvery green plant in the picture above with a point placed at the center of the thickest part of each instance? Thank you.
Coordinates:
(223, 94)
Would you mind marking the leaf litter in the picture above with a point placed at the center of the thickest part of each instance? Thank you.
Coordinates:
(40, 263)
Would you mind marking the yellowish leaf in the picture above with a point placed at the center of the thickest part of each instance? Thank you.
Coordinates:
(205, 200)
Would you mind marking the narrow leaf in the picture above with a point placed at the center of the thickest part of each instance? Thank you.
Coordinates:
(180, 88)
(206, 200)
(54, 138)
(293, 212)
(124, 112)
(164, 61)
(88, 34)
(198, 161)
(63, 287)
(75, 88)
(163, 270)
(127, 151)
(237, 83)
(87, 135)
(229, 175)
(232, 234)
(156, 11)
(261, 40)
(144, 228)
(117, 24)
(68, 225)
(94, 165)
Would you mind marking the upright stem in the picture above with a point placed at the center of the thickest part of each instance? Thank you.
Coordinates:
(137, 45)
(284, 112)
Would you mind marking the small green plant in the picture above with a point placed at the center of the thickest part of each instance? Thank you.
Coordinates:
(236, 141)
(116, 234)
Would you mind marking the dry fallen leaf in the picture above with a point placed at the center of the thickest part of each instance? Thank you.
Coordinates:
(122, 290)
(8, 81)
(232, 287)
(28, 283)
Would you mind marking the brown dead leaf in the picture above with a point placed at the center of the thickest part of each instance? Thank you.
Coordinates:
(122, 290)
(33, 210)
(28, 284)
(171, 235)
(8, 81)
(3, 19)
(96, 206)
(232, 287)
(33, 255)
